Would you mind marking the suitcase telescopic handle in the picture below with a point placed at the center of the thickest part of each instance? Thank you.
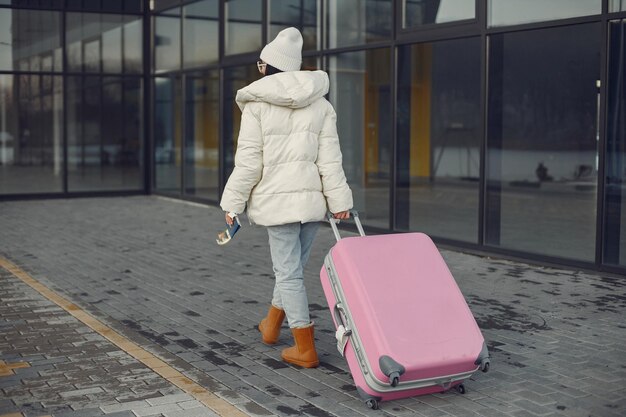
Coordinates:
(333, 223)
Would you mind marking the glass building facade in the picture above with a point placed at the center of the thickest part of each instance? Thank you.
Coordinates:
(494, 125)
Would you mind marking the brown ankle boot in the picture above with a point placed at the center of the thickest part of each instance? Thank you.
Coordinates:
(270, 325)
(303, 353)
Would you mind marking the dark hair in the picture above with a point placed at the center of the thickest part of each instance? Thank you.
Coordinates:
(270, 70)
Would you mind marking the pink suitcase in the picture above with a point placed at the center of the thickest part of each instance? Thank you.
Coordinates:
(402, 322)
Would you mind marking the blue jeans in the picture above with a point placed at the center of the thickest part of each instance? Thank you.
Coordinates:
(290, 246)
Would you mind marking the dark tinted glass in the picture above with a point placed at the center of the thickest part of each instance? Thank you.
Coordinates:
(439, 138)
(418, 13)
(513, 12)
(234, 79)
(615, 186)
(165, 4)
(30, 40)
(360, 91)
(357, 22)
(114, 5)
(301, 14)
(543, 141)
(104, 133)
(96, 42)
(243, 26)
(31, 141)
(201, 134)
(167, 47)
(167, 134)
(617, 5)
(133, 40)
(201, 33)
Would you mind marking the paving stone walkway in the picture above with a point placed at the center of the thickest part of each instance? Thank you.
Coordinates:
(149, 268)
(52, 364)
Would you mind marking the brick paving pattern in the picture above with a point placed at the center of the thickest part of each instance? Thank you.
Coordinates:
(150, 269)
(52, 364)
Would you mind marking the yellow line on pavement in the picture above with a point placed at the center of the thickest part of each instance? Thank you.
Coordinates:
(215, 403)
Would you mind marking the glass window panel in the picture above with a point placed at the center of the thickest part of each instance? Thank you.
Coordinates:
(302, 14)
(133, 40)
(28, 35)
(617, 5)
(94, 42)
(543, 141)
(167, 41)
(356, 22)
(101, 154)
(310, 63)
(112, 48)
(243, 26)
(439, 138)
(167, 134)
(114, 5)
(74, 4)
(91, 54)
(132, 6)
(130, 155)
(360, 91)
(82, 32)
(514, 12)
(202, 134)
(615, 186)
(165, 4)
(201, 33)
(234, 79)
(425, 12)
(31, 129)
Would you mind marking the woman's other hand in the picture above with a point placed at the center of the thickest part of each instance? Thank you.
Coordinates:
(229, 220)
(342, 215)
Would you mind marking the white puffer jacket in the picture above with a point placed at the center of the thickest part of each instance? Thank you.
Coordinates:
(288, 162)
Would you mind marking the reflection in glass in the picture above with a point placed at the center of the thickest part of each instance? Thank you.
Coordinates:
(201, 134)
(201, 33)
(31, 141)
(513, 12)
(243, 26)
(103, 133)
(310, 63)
(112, 48)
(543, 141)
(234, 79)
(615, 186)
(167, 134)
(360, 91)
(95, 42)
(357, 22)
(167, 40)
(424, 12)
(30, 40)
(133, 39)
(439, 138)
(301, 14)
(617, 5)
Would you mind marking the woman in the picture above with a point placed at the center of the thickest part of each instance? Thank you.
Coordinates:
(288, 171)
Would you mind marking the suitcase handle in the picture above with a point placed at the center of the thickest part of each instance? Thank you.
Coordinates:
(337, 314)
(333, 223)
(343, 333)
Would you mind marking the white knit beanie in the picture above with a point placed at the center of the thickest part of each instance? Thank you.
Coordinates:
(285, 51)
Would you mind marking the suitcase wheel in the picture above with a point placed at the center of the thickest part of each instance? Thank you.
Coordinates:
(484, 365)
(372, 403)
(460, 389)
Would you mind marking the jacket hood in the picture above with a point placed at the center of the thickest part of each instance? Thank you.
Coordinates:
(294, 89)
